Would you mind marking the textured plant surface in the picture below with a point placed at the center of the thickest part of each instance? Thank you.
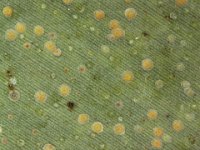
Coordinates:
(73, 80)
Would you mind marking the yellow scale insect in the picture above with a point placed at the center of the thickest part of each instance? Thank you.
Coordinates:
(7, 11)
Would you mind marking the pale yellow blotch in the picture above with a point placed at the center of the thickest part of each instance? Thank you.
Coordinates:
(118, 33)
(51, 46)
(128, 1)
(10, 35)
(130, 13)
(83, 118)
(113, 24)
(99, 15)
(57, 52)
(127, 76)
(67, 2)
(38, 30)
(64, 90)
(152, 114)
(40, 96)
(20, 27)
(147, 64)
(119, 129)
(156, 143)
(189, 91)
(7, 11)
(97, 127)
(181, 3)
(177, 125)
(158, 132)
(1, 129)
(49, 147)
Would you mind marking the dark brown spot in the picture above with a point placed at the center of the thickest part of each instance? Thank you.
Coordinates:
(52, 35)
(11, 86)
(82, 69)
(168, 18)
(191, 139)
(119, 104)
(144, 119)
(9, 73)
(96, 77)
(66, 70)
(70, 105)
(145, 33)
(27, 45)
(167, 115)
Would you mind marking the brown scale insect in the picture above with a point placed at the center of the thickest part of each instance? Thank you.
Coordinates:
(66, 70)
(167, 115)
(192, 139)
(145, 34)
(70, 105)
(144, 119)
(9, 73)
(167, 17)
(11, 86)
